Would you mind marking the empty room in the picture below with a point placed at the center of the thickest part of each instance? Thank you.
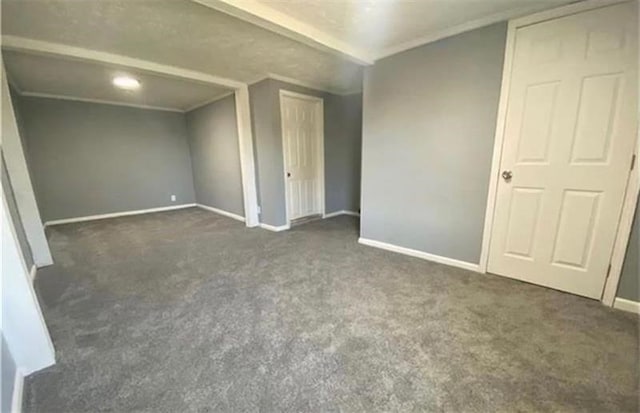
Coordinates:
(319, 206)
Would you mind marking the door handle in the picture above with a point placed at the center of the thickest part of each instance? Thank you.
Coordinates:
(507, 175)
(288, 174)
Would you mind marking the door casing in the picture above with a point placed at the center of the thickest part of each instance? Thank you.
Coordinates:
(319, 104)
(633, 180)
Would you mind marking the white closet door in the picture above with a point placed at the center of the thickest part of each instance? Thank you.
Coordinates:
(301, 132)
(569, 137)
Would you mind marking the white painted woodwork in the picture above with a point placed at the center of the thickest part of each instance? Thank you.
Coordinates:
(569, 136)
(23, 326)
(14, 156)
(58, 76)
(302, 140)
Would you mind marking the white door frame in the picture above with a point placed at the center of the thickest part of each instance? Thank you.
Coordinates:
(320, 161)
(241, 90)
(633, 184)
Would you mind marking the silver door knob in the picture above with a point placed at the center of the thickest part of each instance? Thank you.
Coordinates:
(507, 175)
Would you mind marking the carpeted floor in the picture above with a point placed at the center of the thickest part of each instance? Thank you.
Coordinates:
(190, 311)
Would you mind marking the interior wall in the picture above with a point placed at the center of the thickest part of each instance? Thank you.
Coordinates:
(215, 155)
(342, 152)
(9, 369)
(23, 326)
(22, 193)
(12, 206)
(21, 132)
(629, 286)
(428, 130)
(342, 118)
(90, 158)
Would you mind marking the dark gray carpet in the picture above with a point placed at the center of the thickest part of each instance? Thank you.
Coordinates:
(189, 311)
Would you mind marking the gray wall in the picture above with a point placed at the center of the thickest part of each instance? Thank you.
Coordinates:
(342, 150)
(8, 377)
(428, 129)
(89, 158)
(12, 206)
(265, 152)
(21, 131)
(629, 286)
(343, 138)
(215, 155)
(6, 183)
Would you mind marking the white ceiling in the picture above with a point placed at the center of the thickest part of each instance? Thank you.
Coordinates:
(321, 43)
(179, 33)
(380, 27)
(48, 75)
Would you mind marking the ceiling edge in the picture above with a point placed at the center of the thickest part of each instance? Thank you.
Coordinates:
(452, 31)
(208, 101)
(48, 48)
(266, 17)
(99, 101)
(308, 85)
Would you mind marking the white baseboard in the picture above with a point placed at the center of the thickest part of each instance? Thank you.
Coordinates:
(115, 215)
(420, 254)
(16, 397)
(32, 272)
(626, 305)
(342, 212)
(222, 212)
(274, 228)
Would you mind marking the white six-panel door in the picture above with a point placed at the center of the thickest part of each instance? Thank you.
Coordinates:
(302, 126)
(569, 136)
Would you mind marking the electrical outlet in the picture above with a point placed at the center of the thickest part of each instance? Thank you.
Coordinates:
(173, 198)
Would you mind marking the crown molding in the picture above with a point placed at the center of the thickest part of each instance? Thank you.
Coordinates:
(99, 101)
(308, 85)
(452, 31)
(42, 47)
(208, 102)
(261, 15)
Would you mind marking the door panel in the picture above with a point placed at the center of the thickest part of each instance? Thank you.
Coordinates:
(569, 135)
(524, 217)
(301, 143)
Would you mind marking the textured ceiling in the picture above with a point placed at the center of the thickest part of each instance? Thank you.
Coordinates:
(179, 33)
(376, 26)
(57, 76)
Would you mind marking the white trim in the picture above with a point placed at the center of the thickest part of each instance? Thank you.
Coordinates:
(39, 353)
(37, 46)
(420, 254)
(243, 109)
(624, 226)
(208, 102)
(33, 272)
(320, 153)
(308, 85)
(247, 163)
(341, 212)
(222, 212)
(16, 162)
(624, 233)
(452, 31)
(626, 305)
(274, 228)
(567, 10)
(262, 15)
(98, 101)
(18, 391)
(497, 147)
(115, 215)
(516, 14)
